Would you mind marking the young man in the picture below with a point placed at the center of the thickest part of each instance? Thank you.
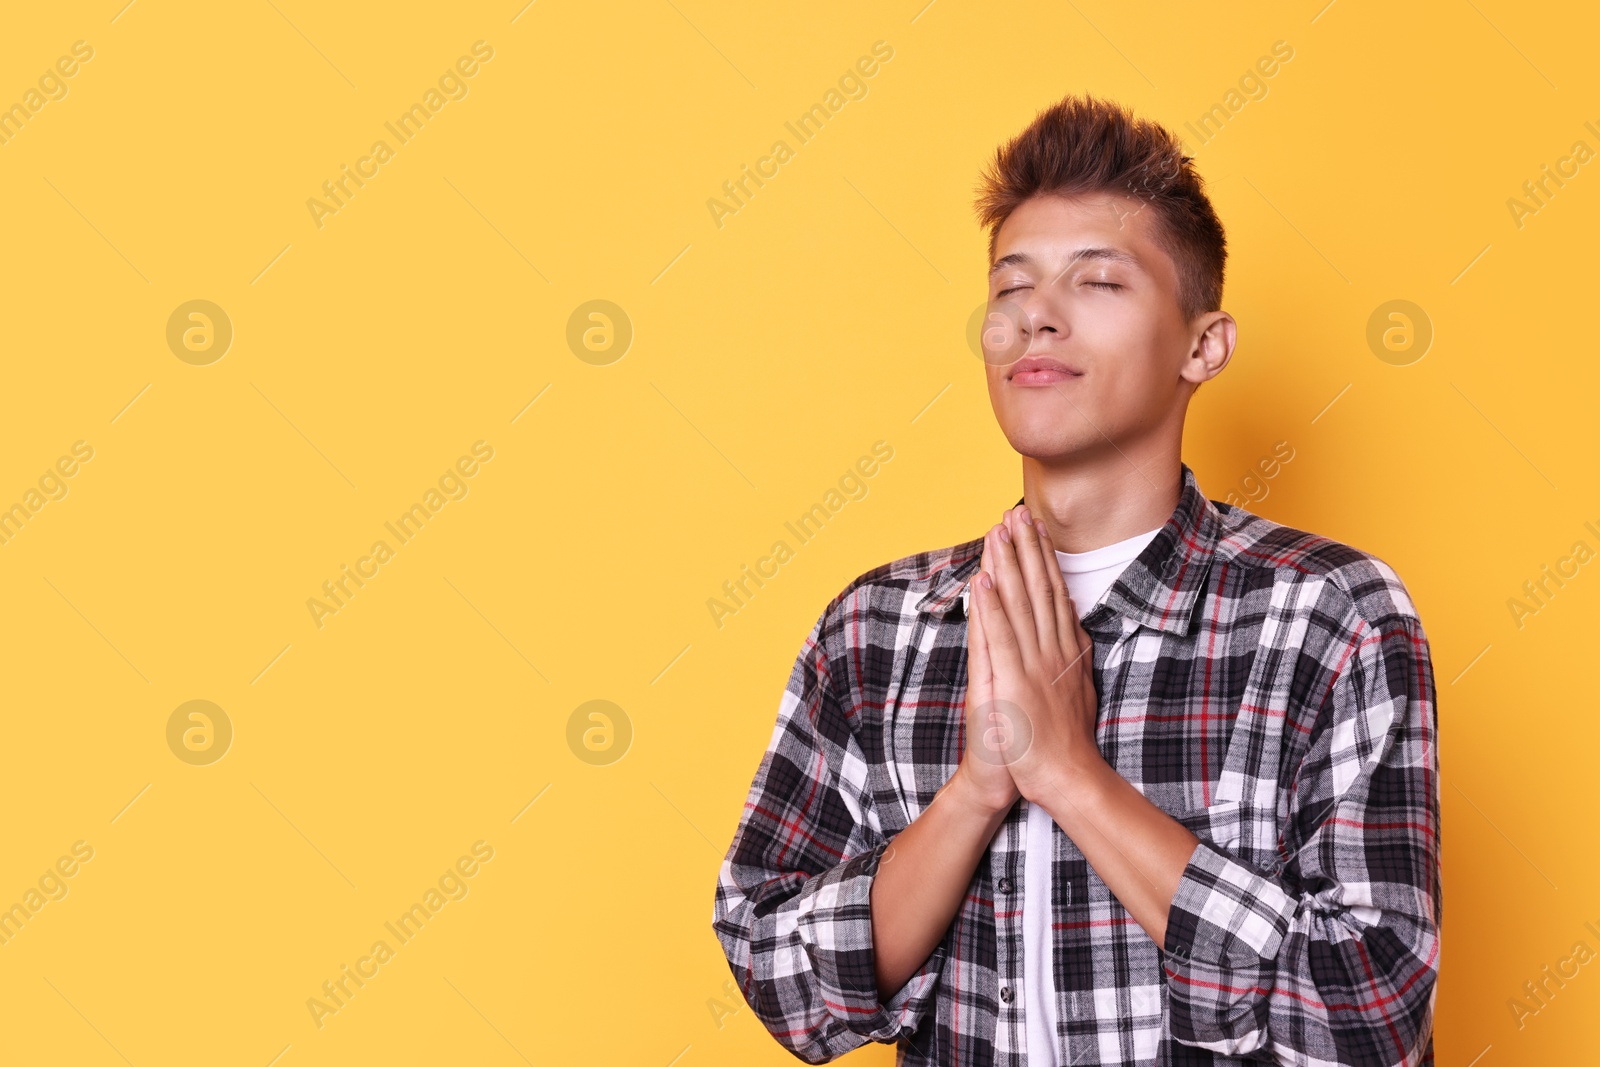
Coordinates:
(1135, 777)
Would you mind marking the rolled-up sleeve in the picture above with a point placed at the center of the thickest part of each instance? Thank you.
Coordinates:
(793, 897)
(1329, 956)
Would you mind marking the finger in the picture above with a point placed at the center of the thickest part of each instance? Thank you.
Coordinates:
(999, 637)
(1085, 645)
(1068, 623)
(1083, 662)
(980, 672)
(1013, 595)
(1036, 578)
(1066, 609)
(1078, 667)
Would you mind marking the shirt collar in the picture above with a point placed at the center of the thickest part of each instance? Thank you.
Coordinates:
(1159, 589)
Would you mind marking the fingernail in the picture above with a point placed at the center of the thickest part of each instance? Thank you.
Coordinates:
(1024, 515)
(983, 577)
(1005, 535)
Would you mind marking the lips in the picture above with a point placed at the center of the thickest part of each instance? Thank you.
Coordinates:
(1041, 370)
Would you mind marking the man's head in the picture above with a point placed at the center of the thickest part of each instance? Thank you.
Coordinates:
(1107, 258)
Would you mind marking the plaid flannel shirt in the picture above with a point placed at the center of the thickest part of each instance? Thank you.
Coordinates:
(1270, 689)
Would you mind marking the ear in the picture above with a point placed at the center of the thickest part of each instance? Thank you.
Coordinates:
(1213, 335)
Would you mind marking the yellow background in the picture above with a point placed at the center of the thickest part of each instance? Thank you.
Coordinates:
(768, 355)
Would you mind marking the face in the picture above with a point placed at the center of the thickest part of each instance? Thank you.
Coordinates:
(1085, 348)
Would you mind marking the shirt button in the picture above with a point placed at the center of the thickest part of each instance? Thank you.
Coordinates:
(1005, 885)
(1005, 993)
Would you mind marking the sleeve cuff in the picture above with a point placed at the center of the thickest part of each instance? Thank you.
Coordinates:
(1227, 914)
(834, 915)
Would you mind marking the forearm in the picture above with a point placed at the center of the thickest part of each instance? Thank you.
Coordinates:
(922, 878)
(1137, 849)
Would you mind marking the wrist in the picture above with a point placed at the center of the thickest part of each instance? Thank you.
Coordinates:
(968, 797)
(1078, 785)
(1084, 763)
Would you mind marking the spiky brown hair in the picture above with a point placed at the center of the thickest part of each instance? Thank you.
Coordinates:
(1084, 145)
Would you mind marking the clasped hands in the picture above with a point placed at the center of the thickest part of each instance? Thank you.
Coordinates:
(1031, 702)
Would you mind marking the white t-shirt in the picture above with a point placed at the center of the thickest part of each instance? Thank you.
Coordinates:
(1088, 575)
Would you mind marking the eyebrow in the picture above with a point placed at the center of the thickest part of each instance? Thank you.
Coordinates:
(1022, 259)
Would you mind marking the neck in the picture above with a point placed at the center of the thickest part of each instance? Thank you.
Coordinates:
(1090, 502)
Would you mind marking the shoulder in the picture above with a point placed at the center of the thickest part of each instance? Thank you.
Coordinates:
(876, 605)
(1340, 579)
(919, 570)
(1346, 612)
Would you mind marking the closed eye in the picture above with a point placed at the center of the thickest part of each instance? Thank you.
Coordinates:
(1015, 288)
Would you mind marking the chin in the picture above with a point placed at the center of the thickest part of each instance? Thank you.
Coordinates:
(1049, 443)
(1040, 433)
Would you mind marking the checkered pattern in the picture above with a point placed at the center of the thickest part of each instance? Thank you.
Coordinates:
(1270, 689)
